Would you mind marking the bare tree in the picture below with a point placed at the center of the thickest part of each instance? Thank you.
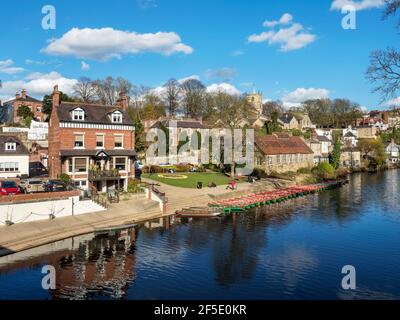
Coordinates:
(84, 90)
(384, 70)
(193, 97)
(172, 96)
(108, 89)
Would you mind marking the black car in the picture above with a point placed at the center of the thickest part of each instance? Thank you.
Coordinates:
(37, 169)
(54, 185)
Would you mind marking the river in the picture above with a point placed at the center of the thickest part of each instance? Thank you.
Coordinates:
(294, 250)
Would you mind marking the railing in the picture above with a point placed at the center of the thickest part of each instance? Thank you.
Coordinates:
(99, 200)
(103, 174)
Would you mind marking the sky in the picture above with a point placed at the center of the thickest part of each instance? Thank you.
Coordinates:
(289, 50)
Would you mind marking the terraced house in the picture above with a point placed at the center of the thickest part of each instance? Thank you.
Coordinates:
(94, 144)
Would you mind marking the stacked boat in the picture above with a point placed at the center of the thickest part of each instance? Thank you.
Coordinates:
(255, 200)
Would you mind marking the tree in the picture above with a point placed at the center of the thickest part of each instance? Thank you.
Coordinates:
(272, 125)
(109, 89)
(384, 68)
(334, 158)
(24, 112)
(193, 97)
(153, 107)
(84, 89)
(48, 103)
(172, 96)
(140, 139)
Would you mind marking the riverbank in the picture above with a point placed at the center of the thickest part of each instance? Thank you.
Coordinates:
(28, 235)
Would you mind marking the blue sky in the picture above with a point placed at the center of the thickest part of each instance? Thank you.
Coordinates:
(307, 54)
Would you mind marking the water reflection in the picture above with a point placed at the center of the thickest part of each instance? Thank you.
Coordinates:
(289, 250)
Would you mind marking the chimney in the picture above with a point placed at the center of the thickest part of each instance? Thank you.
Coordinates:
(17, 96)
(122, 101)
(56, 97)
(23, 92)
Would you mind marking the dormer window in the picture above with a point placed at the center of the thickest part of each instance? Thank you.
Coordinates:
(11, 146)
(78, 114)
(116, 117)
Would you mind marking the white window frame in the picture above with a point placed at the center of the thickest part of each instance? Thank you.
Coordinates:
(78, 114)
(116, 117)
(119, 135)
(11, 146)
(83, 141)
(102, 135)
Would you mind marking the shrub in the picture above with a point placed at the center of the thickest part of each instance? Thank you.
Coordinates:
(183, 168)
(304, 171)
(259, 173)
(65, 178)
(134, 186)
(154, 169)
(324, 170)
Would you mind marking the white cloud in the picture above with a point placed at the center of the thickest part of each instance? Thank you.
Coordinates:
(225, 73)
(193, 77)
(107, 43)
(392, 103)
(296, 97)
(85, 66)
(285, 19)
(292, 37)
(38, 84)
(237, 53)
(6, 66)
(358, 5)
(223, 87)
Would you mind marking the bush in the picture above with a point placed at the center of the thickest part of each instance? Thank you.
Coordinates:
(154, 169)
(183, 168)
(324, 170)
(134, 186)
(65, 178)
(304, 171)
(259, 173)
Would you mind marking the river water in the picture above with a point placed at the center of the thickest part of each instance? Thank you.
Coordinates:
(294, 250)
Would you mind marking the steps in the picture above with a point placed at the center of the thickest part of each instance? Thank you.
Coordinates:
(87, 206)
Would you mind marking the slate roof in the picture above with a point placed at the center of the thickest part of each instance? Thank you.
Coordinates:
(94, 113)
(272, 145)
(323, 139)
(20, 150)
(286, 118)
(350, 134)
(27, 99)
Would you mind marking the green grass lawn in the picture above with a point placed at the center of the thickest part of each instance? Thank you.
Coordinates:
(192, 179)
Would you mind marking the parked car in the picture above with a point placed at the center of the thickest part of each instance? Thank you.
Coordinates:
(32, 186)
(55, 185)
(37, 169)
(9, 187)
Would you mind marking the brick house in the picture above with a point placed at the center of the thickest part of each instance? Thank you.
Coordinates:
(11, 107)
(93, 144)
(281, 152)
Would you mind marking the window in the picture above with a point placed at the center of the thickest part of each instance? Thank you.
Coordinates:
(38, 109)
(80, 164)
(70, 165)
(9, 166)
(116, 117)
(120, 163)
(79, 140)
(99, 141)
(118, 141)
(11, 146)
(78, 115)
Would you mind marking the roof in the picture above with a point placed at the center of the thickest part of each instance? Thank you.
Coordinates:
(323, 139)
(94, 113)
(272, 145)
(90, 153)
(27, 99)
(350, 134)
(184, 124)
(286, 118)
(20, 149)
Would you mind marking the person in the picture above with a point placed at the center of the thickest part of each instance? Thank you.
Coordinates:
(232, 185)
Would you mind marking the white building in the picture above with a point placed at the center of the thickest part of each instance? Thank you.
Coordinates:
(37, 130)
(393, 152)
(14, 157)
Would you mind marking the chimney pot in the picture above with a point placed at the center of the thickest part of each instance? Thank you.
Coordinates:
(56, 97)
(17, 95)
(23, 92)
(122, 101)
